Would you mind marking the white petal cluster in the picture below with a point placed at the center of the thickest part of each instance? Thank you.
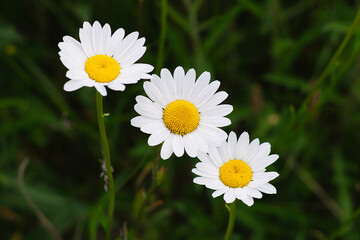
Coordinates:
(98, 40)
(166, 88)
(253, 153)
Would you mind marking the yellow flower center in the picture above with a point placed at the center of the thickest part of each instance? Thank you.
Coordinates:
(102, 68)
(181, 117)
(235, 173)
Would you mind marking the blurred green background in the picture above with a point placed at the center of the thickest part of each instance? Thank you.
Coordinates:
(270, 56)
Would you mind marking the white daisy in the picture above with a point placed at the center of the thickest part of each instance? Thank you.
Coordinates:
(101, 59)
(237, 169)
(183, 113)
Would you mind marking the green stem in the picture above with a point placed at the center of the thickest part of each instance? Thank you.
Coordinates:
(333, 60)
(160, 57)
(232, 217)
(105, 145)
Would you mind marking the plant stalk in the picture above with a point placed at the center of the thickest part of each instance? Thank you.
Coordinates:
(105, 145)
(232, 217)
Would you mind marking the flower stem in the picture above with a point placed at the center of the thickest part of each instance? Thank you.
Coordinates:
(105, 145)
(232, 217)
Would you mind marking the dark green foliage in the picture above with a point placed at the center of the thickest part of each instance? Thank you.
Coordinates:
(268, 55)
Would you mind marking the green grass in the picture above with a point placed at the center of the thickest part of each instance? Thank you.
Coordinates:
(273, 57)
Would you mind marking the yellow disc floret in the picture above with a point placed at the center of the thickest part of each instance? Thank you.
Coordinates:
(235, 173)
(181, 117)
(102, 68)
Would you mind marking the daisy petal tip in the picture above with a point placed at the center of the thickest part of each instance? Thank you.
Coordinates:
(151, 67)
(195, 180)
(179, 68)
(227, 200)
(165, 156)
(86, 24)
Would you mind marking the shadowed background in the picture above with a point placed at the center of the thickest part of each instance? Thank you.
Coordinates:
(268, 55)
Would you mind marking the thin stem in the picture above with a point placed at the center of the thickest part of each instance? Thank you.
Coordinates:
(105, 145)
(232, 217)
(160, 57)
(333, 60)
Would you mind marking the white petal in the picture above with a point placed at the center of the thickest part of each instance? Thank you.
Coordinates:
(265, 162)
(221, 110)
(223, 152)
(71, 63)
(115, 40)
(178, 145)
(215, 100)
(248, 200)
(201, 180)
(137, 68)
(189, 148)
(257, 183)
(229, 196)
(214, 184)
(97, 38)
(200, 142)
(201, 83)
(241, 194)
(85, 34)
(138, 121)
(268, 175)
(188, 84)
(215, 157)
(232, 140)
(204, 174)
(267, 188)
(128, 78)
(106, 38)
(205, 158)
(214, 134)
(251, 151)
(101, 89)
(116, 86)
(206, 94)
(88, 82)
(216, 121)
(167, 148)
(73, 51)
(179, 77)
(158, 137)
(220, 192)
(153, 126)
(76, 74)
(133, 54)
(262, 152)
(73, 85)
(168, 82)
(69, 39)
(125, 45)
(242, 145)
(148, 110)
(253, 192)
(208, 168)
(271, 175)
(154, 94)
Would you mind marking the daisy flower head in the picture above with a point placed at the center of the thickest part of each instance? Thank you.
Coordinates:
(237, 169)
(103, 59)
(182, 113)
